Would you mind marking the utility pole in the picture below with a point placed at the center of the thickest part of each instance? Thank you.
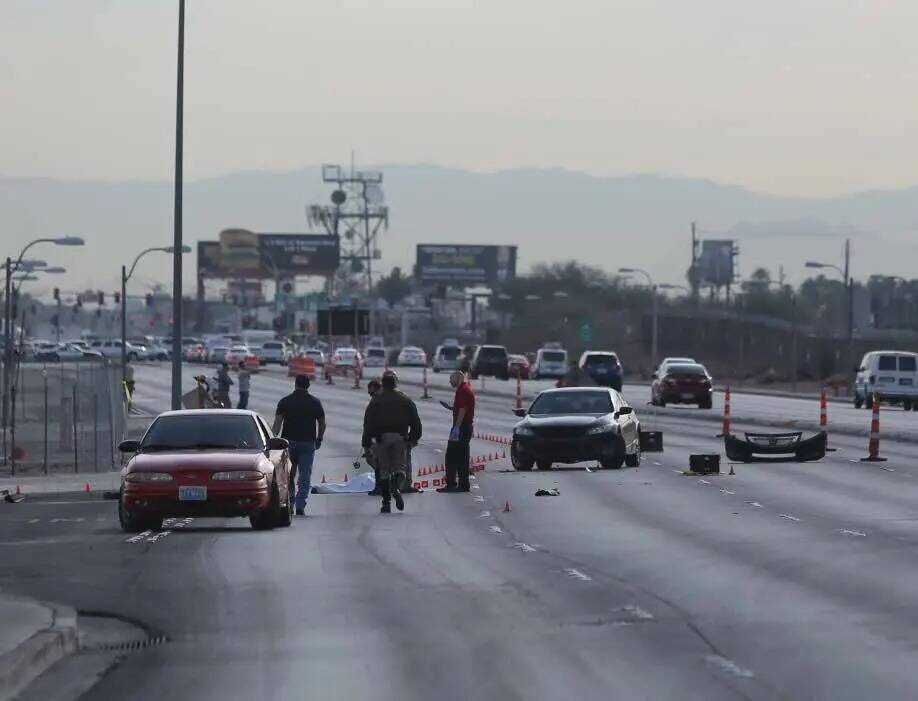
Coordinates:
(693, 272)
(849, 282)
(177, 221)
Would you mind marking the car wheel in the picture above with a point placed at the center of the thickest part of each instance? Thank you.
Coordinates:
(615, 460)
(270, 517)
(519, 462)
(704, 404)
(543, 464)
(285, 517)
(633, 459)
(137, 523)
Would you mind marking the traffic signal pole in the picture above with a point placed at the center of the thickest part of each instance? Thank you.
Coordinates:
(123, 325)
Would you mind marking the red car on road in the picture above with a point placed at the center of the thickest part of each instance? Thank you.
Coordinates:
(681, 383)
(206, 463)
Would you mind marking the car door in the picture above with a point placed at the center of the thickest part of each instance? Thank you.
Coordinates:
(281, 461)
(628, 423)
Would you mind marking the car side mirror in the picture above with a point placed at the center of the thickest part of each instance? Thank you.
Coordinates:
(275, 443)
(129, 446)
(624, 411)
(520, 412)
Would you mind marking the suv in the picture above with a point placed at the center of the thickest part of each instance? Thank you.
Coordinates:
(490, 360)
(273, 352)
(891, 376)
(603, 367)
(550, 362)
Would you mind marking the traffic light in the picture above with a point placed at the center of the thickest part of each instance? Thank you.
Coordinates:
(117, 297)
(57, 294)
(101, 298)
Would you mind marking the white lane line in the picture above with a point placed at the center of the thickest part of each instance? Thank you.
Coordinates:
(726, 491)
(484, 514)
(789, 517)
(657, 464)
(577, 574)
(524, 547)
(679, 472)
(495, 529)
(703, 482)
(475, 486)
(638, 612)
(139, 537)
(158, 536)
(67, 520)
(754, 504)
(845, 531)
(729, 666)
(479, 499)
(34, 520)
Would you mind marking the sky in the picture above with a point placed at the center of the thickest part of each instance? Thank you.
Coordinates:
(795, 97)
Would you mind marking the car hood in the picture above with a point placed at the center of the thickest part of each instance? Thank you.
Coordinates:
(196, 460)
(571, 421)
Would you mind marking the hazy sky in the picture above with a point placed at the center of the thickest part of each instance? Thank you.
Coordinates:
(791, 96)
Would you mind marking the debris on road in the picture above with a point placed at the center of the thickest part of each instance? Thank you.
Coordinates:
(553, 492)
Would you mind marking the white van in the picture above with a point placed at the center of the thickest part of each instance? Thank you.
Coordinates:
(892, 376)
(550, 362)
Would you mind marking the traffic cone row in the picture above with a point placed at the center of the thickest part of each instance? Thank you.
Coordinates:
(873, 445)
(492, 438)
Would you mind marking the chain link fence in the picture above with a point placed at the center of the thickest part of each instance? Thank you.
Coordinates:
(64, 417)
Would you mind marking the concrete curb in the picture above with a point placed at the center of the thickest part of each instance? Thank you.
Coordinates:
(32, 658)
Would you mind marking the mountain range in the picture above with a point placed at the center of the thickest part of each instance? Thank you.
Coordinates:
(636, 220)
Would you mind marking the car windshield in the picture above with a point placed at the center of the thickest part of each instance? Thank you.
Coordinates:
(449, 353)
(572, 403)
(686, 370)
(601, 360)
(376, 352)
(203, 431)
(492, 353)
(554, 356)
(271, 345)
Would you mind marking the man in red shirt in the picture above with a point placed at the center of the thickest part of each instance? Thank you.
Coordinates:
(460, 436)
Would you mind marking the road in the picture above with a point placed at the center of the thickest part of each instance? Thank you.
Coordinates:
(784, 581)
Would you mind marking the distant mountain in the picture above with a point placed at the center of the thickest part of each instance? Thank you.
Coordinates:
(637, 220)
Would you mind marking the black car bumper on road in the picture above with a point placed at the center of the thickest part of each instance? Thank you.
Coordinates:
(775, 447)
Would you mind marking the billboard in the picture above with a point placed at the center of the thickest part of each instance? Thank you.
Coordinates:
(715, 263)
(465, 264)
(238, 255)
(343, 321)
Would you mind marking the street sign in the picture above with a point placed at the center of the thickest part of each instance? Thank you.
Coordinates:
(586, 332)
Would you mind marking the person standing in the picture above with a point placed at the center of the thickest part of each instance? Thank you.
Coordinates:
(390, 424)
(373, 388)
(129, 384)
(460, 435)
(300, 419)
(224, 382)
(245, 381)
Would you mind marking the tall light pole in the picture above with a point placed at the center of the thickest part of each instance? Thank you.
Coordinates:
(177, 245)
(125, 276)
(849, 289)
(653, 309)
(11, 267)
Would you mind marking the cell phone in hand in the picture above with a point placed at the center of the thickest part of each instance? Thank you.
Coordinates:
(446, 405)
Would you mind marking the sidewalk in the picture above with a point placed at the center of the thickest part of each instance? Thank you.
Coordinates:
(33, 637)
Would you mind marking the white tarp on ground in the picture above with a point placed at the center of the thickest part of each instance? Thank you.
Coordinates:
(361, 484)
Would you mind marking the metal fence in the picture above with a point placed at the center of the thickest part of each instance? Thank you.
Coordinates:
(64, 417)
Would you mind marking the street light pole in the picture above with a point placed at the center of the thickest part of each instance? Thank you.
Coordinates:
(177, 223)
(653, 311)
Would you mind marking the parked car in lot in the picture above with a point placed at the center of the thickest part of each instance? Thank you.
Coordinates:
(446, 358)
(63, 352)
(576, 424)
(412, 356)
(603, 367)
(374, 357)
(112, 349)
(890, 376)
(681, 383)
(490, 361)
(206, 463)
(550, 362)
(518, 366)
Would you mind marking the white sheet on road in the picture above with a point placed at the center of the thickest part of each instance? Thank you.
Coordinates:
(362, 483)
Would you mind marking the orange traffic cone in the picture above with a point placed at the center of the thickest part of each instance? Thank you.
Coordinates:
(873, 445)
(345, 478)
(505, 454)
(824, 417)
(507, 507)
(18, 490)
(87, 488)
(323, 479)
(726, 430)
(732, 472)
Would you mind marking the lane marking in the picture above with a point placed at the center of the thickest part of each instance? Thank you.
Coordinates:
(729, 666)
(754, 504)
(479, 499)
(524, 547)
(638, 612)
(703, 482)
(139, 537)
(726, 491)
(67, 520)
(789, 517)
(34, 520)
(158, 536)
(678, 472)
(475, 486)
(484, 514)
(495, 529)
(658, 464)
(577, 574)
(845, 531)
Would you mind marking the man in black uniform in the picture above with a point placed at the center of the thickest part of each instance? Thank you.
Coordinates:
(390, 424)
(373, 388)
(300, 419)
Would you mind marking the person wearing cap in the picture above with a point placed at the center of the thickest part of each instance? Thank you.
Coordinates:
(300, 419)
(224, 382)
(245, 381)
(408, 480)
(390, 424)
(373, 387)
(460, 436)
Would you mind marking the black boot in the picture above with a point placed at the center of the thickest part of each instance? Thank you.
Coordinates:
(396, 493)
(386, 497)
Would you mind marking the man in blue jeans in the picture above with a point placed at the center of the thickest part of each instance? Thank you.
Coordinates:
(300, 419)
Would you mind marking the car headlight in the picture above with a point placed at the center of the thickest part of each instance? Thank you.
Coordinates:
(238, 476)
(148, 477)
(523, 431)
(604, 428)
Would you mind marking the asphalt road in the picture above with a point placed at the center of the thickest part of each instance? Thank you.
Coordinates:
(784, 581)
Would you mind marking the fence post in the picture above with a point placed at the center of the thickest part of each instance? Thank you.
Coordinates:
(13, 430)
(44, 377)
(76, 450)
(95, 432)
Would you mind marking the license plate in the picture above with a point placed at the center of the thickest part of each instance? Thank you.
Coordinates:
(688, 395)
(192, 493)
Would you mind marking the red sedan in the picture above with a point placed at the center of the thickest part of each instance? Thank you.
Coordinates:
(206, 463)
(681, 383)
